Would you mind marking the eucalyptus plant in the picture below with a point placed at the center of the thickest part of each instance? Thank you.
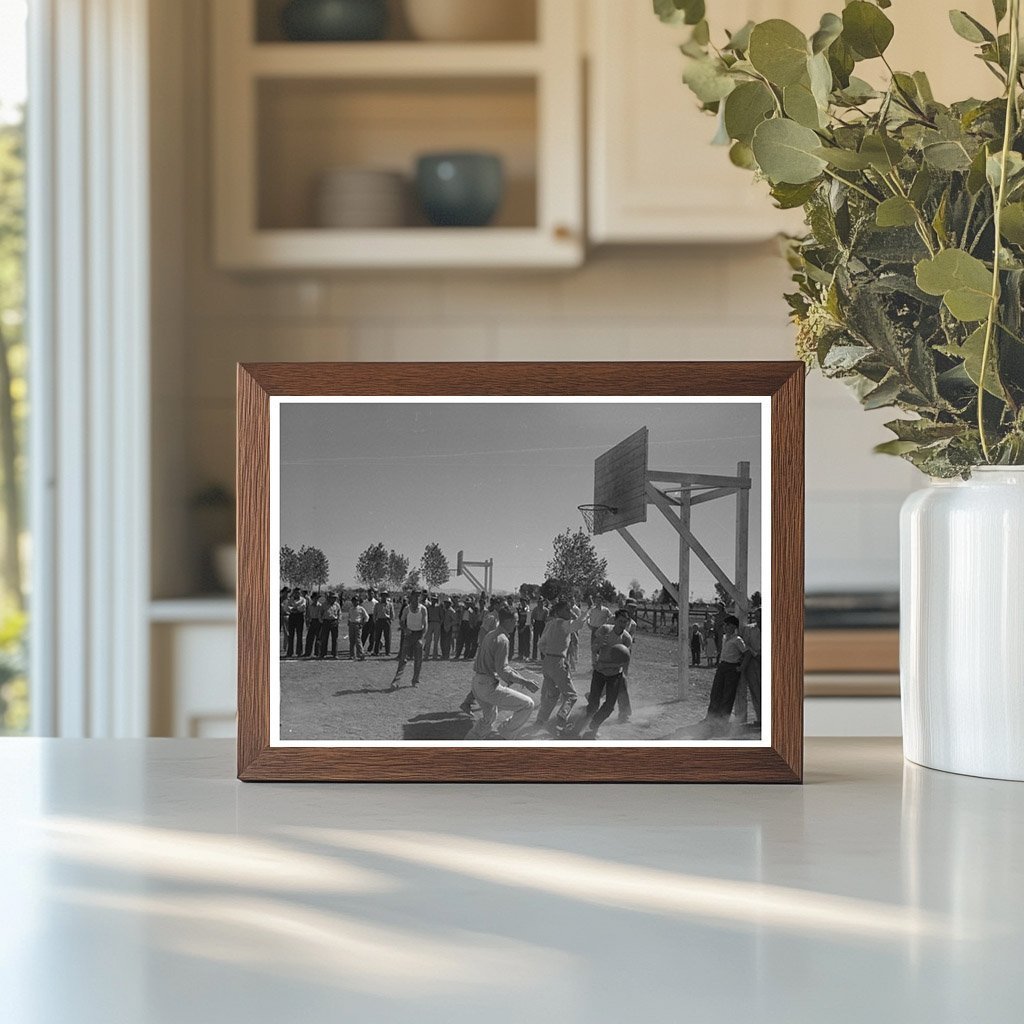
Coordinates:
(910, 278)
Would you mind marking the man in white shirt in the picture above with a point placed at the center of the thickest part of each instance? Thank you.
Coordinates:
(370, 607)
(296, 609)
(384, 612)
(492, 684)
(356, 619)
(750, 671)
(414, 628)
(727, 675)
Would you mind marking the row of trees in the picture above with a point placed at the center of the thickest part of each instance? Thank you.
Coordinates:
(574, 566)
(307, 568)
(378, 566)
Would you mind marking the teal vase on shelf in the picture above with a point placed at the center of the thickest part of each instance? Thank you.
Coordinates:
(333, 21)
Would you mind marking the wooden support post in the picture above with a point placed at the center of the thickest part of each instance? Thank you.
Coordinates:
(743, 542)
(683, 601)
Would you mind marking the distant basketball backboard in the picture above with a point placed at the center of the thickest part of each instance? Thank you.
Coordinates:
(620, 480)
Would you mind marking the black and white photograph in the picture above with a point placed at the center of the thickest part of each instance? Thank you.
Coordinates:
(528, 571)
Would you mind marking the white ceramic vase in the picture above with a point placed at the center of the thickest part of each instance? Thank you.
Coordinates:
(962, 624)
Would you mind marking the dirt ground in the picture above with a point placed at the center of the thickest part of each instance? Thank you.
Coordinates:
(349, 700)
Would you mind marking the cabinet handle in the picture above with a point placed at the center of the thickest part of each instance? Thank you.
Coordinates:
(563, 233)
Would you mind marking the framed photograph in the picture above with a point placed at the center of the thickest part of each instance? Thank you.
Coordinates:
(515, 572)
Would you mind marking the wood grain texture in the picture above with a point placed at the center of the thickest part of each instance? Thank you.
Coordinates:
(852, 650)
(782, 762)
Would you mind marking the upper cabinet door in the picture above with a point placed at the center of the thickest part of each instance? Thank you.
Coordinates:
(654, 175)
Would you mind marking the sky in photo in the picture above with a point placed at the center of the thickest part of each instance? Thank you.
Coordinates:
(500, 480)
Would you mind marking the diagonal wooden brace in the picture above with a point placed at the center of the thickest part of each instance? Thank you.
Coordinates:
(665, 506)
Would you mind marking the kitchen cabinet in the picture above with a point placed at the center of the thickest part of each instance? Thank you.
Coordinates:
(287, 113)
(653, 175)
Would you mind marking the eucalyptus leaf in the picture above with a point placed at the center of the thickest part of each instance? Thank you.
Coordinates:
(708, 80)
(844, 159)
(963, 281)
(1012, 226)
(786, 152)
(842, 61)
(676, 12)
(895, 213)
(972, 353)
(800, 105)
(789, 197)
(947, 156)
(739, 41)
(819, 75)
(779, 51)
(745, 108)
(883, 153)
(969, 28)
(976, 173)
(896, 447)
(884, 395)
(866, 30)
(1014, 169)
(924, 87)
(829, 30)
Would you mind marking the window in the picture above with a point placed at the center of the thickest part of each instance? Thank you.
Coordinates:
(14, 548)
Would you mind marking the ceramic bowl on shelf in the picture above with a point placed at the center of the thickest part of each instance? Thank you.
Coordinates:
(333, 21)
(460, 189)
(361, 198)
(470, 20)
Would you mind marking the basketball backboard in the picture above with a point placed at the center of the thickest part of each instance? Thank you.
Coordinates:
(620, 480)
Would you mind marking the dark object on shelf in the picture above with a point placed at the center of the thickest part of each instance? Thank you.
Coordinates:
(864, 610)
(462, 190)
(333, 21)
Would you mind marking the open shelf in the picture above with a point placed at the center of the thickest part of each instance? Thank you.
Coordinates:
(307, 127)
(393, 60)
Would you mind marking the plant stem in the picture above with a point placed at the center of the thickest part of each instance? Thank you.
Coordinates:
(1000, 199)
(923, 228)
(855, 187)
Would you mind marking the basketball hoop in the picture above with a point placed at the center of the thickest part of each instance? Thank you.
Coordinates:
(589, 513)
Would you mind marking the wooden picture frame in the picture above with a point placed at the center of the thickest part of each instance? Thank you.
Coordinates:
(779, 759)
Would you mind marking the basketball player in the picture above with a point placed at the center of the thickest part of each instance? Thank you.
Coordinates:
(492, 684)
(611, 665)
(554, 651)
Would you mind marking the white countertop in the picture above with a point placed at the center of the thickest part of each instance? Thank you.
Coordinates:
(143, 885)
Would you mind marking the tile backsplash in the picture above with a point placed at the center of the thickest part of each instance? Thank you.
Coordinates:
(645, 304)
